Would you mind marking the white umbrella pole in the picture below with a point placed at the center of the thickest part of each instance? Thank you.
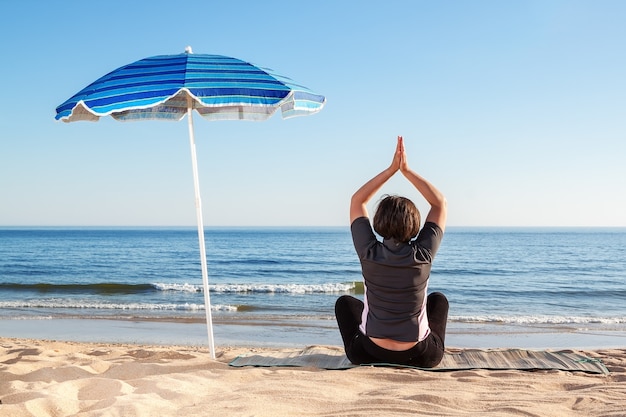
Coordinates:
(205, 274)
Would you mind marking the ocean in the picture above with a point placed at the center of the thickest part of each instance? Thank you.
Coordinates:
(278, 285)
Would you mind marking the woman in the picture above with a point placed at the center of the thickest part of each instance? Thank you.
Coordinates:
(397, 322)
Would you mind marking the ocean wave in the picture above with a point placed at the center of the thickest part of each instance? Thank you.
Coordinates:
(131, 289)
(539, 319)
(177, 287)
(283, 288)
(92, 288)
(55, 306)
(68, 304)
(328, 288)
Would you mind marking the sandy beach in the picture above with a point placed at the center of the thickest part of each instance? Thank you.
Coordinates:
(52, 378)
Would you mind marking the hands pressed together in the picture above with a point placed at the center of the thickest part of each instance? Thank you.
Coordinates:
(399, 162)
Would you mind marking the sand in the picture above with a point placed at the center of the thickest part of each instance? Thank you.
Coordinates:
(47, 378)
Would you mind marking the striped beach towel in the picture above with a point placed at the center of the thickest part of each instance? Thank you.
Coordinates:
(332, 357)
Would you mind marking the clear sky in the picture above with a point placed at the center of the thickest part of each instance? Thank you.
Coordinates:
(515, 109)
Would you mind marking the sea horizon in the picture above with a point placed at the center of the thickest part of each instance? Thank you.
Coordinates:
(449, 228)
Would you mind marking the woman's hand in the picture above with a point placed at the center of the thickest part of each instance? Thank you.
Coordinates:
(399, 157)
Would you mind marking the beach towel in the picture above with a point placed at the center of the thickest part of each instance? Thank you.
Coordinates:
(331, 357)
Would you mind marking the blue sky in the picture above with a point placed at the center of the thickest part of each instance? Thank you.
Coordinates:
(516, 110)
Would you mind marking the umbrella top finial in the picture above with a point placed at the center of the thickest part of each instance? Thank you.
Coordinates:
(188, 50)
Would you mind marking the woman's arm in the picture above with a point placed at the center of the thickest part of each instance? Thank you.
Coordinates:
(364, 194)
(438, 205)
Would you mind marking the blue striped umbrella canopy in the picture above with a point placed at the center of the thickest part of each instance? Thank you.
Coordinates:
(167, 87)
(164, 87)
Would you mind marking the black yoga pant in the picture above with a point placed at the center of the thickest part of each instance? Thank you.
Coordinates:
(361, 350)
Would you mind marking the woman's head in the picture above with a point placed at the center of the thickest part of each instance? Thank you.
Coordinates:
(398, 218)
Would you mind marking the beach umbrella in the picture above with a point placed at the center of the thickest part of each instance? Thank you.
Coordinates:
(168, 87)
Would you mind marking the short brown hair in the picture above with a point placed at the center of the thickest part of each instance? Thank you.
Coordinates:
(398, 218)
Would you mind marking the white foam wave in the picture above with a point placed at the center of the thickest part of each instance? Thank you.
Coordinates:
(56, 304)
(552, 320)
(329, 288)
(178, 287)
(283, 288)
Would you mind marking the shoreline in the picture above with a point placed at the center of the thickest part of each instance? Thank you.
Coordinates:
(297, 333)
